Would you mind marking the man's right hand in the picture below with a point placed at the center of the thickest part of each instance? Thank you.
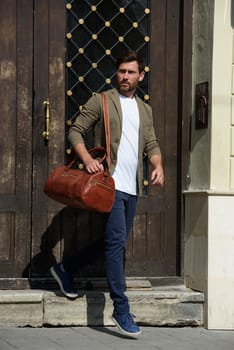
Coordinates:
(91, 165)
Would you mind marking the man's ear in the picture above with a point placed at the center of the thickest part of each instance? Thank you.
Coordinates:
(142, 74)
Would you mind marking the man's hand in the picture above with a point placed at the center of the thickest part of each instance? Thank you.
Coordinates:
(157, 175)
(93, 166)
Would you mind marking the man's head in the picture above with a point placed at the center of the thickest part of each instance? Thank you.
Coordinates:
(130, 71)
(131, 56)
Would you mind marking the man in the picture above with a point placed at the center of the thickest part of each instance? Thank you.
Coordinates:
(132, 134)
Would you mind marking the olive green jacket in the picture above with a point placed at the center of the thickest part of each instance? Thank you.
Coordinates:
(92, 117)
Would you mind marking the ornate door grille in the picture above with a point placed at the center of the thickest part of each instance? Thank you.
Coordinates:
(97, 32)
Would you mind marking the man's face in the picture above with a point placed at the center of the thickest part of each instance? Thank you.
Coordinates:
(128, 77)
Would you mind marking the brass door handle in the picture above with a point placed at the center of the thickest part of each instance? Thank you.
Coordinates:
(46, 105)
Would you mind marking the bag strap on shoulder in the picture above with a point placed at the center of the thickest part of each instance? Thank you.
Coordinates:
(107, 128)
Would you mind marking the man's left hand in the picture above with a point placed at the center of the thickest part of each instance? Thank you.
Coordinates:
(157, 176)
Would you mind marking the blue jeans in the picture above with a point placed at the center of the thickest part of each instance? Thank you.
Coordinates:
(118, 226)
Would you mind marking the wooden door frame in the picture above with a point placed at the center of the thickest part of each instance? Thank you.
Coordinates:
(185, 110)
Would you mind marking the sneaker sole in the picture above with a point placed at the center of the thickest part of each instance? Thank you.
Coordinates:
(57, 279)
(132, 335)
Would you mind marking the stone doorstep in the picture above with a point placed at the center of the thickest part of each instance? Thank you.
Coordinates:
(20, 308)
(161, 306)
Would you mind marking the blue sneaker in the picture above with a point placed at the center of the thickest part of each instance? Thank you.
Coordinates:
(64, 281)
(126, 324)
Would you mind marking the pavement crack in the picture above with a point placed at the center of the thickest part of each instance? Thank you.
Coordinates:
(8, 343)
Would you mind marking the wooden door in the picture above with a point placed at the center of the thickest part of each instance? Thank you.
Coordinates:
(41, 53)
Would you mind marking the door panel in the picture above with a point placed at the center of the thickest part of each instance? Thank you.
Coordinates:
(49, 83)
(15, 133)
(161, 206)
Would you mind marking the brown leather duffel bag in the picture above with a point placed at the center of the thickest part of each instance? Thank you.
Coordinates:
(77, 188)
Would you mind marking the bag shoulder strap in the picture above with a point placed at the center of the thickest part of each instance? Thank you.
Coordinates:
(107, 128)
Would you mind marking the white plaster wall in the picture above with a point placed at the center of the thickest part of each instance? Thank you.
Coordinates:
(221, 97)
(232, 115)
(209, 258)
(232, 173)
(220, 301)
(196, 241)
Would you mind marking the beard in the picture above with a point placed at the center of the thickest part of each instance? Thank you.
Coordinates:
(125, 87)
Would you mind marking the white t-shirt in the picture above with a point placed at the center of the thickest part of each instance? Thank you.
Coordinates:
(127, 157)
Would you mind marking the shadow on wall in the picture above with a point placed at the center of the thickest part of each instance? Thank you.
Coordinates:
(232, 14)
(80, 236)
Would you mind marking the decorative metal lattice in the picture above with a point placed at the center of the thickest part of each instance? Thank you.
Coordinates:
(97, 32)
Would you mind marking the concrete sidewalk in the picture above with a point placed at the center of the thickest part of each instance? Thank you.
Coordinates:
(100, 338)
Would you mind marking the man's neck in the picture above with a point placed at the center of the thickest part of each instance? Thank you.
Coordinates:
(130, 94)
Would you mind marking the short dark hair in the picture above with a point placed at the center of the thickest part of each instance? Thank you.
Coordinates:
(130, 56)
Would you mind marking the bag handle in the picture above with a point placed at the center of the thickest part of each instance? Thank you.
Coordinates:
(107, 129)
(100, 151)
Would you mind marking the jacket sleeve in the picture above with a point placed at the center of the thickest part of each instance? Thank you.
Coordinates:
(151, 141)
(87, 119)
